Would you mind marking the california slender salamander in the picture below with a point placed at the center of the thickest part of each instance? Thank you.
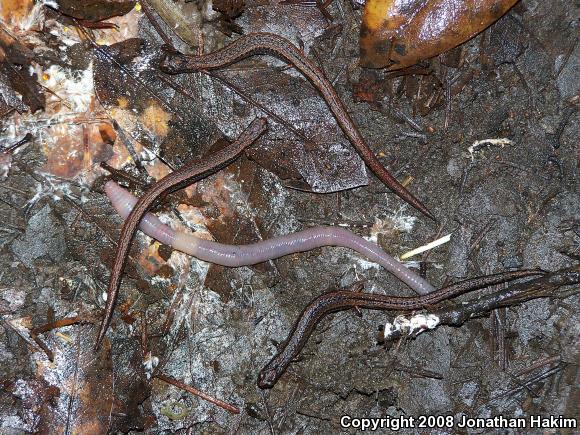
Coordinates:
(188, 174)
(268, 43)
(344, 300)
(264, 250)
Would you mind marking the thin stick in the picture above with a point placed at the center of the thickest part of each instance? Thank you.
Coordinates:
(198, 393)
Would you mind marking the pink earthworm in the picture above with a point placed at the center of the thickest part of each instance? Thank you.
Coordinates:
(245, 255)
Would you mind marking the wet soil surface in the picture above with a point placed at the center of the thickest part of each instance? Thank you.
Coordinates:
(509, 201)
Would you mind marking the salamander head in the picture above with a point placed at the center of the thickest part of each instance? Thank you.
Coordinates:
(267, 377)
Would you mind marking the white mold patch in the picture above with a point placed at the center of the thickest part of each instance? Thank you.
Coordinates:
(411, 326)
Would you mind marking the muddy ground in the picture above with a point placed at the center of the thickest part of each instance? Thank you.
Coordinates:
(508, 204)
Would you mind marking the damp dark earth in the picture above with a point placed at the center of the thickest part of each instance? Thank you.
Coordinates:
(481, 127)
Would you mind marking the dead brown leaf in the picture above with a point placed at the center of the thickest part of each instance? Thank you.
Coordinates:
(398, 34)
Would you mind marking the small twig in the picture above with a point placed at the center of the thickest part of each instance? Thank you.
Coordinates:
(538, 364)
(498, 335)
(448, 100)
(424, 373)
(426, 247)
(34, 332)
(568, 112)
(566, 58)
(527, 384)
(21, 142)
(176, 21)
(198, 393)
(68, 321)
(542, 376)
(149, 13)
(127, 140)
(310, 415)
(543, 287)
(44, 347)
(122, 175)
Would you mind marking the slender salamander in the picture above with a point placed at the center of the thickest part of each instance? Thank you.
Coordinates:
(268, 43)
(336, 301)
(184, 176)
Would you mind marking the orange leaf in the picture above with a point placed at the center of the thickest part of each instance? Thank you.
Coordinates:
(398, 34)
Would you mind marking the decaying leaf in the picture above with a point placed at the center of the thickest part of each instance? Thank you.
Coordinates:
(93, 10)
(129, 88)
(171, 124)
(182, 17)
(230, 8)
(13, 12)
(398, 34)
(16, 76)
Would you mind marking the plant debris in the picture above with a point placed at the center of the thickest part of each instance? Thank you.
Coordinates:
(486, 132)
